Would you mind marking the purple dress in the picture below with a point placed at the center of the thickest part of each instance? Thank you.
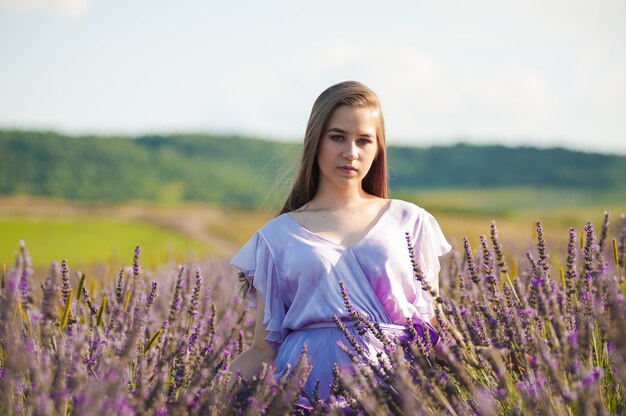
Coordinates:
(297, 272)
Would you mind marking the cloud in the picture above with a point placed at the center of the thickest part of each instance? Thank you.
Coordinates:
(65, 8)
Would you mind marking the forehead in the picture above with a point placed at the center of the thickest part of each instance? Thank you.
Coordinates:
(360, 118)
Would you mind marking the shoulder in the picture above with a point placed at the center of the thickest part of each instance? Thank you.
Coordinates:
(417, 217)
(265, 234)
(274, 232)
(407, 206)
(262, 244)
(426, 229)
(407, 210)
(277, 223)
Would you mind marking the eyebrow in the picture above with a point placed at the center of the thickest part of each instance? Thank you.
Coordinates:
(338, 130)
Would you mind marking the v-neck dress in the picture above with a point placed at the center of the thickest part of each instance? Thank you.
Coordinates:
(297, 273)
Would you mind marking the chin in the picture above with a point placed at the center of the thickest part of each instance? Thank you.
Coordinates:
(348, 183)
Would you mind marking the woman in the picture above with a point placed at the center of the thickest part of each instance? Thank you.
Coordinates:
(337, 225)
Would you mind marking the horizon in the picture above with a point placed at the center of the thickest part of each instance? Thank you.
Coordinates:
(459, 142)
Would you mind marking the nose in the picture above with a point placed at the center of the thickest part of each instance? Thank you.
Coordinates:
(351, 151)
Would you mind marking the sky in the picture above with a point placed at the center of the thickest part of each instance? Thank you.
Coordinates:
(532, 73)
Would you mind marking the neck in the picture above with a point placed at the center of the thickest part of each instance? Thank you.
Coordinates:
(333, 198)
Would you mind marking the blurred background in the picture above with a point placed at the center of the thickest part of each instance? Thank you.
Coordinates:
(176, 125)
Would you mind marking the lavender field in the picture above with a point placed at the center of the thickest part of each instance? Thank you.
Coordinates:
(525, 333)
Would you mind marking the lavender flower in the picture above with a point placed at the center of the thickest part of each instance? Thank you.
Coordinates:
(193, 304)
(151, 296)
(541, 248)
(66, 285)
(470, 262)
(497, 247)
(488, 267)
(622, 242)
(563, 346)
(176, 299)
(119, 287)
(136, 267)
(590, 247)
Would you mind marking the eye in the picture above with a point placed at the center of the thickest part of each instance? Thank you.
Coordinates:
(364, 141)
(336, 138)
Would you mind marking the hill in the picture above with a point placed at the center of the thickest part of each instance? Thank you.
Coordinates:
(245, 172)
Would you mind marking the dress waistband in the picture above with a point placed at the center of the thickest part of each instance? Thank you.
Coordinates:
(350, 323)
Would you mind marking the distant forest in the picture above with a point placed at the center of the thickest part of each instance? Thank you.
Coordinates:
(247, 172)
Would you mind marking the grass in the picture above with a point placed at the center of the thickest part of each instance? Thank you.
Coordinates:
(89, 240)
(238, 226)
(468, 212)
(90, 233)
(512, 201)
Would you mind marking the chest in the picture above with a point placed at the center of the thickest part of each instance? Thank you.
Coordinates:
(344, 228)
(310, 264)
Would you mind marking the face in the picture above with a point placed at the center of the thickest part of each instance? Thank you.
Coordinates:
(348, 147)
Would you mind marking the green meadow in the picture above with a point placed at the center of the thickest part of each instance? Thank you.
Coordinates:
(86, 241)
(87, 234)
(511, 201)
(516, 210)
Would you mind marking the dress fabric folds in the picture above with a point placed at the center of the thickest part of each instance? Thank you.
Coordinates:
(297, 274)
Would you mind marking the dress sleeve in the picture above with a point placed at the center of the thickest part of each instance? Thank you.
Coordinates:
(429, 244)
(256, 262)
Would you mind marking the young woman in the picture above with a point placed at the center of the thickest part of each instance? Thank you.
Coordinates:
(337, 225)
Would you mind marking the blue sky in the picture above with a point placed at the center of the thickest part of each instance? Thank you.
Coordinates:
(540, 73)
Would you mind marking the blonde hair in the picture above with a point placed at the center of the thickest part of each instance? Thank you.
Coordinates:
(353, 94)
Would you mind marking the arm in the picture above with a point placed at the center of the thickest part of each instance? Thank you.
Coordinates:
(249, 362)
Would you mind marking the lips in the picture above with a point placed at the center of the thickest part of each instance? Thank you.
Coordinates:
(348, 168)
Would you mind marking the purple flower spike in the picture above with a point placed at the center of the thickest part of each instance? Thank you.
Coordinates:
(152, 295)
(136, 267)
(430, 332)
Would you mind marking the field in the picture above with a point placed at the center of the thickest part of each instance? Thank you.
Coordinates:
(93, 240)
(523, 340)
(466, 212)
(532, 319)
(100, 237)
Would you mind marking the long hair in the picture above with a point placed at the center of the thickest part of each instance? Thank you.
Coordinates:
(353, 94)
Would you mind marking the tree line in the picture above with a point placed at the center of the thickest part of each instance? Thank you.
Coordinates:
(247, 172)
